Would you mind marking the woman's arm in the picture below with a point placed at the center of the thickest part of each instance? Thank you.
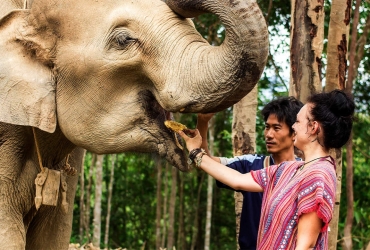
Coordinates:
(226, 175)
(229, 176)
(309, 226)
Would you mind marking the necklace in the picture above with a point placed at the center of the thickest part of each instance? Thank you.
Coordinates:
(311, 161)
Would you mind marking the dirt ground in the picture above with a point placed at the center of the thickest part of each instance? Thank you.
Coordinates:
(90, 246)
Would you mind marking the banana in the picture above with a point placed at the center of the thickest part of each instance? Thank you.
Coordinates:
(174, 126)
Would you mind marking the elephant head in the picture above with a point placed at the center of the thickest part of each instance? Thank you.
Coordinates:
(108, 73)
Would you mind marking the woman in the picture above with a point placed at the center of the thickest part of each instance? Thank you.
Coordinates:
(298, 199)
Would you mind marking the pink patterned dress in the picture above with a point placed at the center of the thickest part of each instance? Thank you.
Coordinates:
(289, 192)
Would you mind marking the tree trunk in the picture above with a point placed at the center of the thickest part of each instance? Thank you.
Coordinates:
(159, 204)
(82, 203)
(335, 79)
(337, 44)
(171, 212)
(181, 242)
(109, 202)
(347, 242)
(352, 52)
(244, 139)
(88, 196)
(195, 235)
(210, 181)
(307, 35)
(98, 198)
(361, 42)
(164, 213)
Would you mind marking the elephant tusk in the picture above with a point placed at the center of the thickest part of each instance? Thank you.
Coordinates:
(177, 142)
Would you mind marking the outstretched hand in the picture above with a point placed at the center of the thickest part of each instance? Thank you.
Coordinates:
(192, 138)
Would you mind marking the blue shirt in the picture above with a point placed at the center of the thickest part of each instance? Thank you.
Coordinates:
(251, 209)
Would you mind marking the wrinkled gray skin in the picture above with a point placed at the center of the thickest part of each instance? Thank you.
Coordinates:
(104, 76)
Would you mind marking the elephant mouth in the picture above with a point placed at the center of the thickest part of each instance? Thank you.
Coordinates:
(168, 142)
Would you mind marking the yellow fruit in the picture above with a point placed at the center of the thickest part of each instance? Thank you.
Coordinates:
(174, 126)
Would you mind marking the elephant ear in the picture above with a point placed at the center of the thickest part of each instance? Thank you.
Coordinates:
(27, 87)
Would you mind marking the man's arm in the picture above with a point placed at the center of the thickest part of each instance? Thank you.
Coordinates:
(202, 126)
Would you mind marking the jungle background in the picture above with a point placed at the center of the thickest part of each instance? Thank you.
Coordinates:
(139, 201)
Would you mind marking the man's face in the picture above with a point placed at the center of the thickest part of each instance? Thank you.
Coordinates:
(277, 136)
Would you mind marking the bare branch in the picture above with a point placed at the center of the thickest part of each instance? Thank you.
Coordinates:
(268, 12)
(362, 152)
(277, 71)
(361, 42)
(352, 52)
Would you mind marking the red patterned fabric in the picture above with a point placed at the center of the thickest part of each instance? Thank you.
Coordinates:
(290, 191)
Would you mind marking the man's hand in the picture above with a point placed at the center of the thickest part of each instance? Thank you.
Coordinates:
(202, 126)
(204, 118)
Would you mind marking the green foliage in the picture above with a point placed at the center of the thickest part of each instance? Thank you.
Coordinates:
(279, 16)
(362, 92)
(361, 184)
(211, 28)
(134, 189)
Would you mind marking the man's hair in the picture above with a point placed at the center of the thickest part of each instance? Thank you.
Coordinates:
(285, 109)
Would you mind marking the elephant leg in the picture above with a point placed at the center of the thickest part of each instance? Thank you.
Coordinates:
(12, 231)
(50, 228)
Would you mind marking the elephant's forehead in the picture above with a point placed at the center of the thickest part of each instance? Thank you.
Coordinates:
(88, 16)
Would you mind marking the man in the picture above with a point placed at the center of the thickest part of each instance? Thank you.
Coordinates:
(279, 116)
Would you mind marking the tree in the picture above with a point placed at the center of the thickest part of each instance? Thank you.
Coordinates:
(181, 241)
(164, 213)
(210, 184)
(98, 198)
(335, 79)
(82, 211)
(172, 205)
(197, 213)
(86, 217)
(307, 35)
(355, 52)
(347, 242)
(159, 203)
(244, 138)
(109, 204)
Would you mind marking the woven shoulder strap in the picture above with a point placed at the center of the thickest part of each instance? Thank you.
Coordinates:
(266, 162)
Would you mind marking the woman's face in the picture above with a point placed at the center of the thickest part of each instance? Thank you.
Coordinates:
(301, 127)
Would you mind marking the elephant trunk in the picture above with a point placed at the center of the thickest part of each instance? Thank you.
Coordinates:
(222, 75)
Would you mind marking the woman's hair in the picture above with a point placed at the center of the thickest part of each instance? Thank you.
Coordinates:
(334, 111)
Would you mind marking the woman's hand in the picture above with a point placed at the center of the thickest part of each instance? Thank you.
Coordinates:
(192, 138)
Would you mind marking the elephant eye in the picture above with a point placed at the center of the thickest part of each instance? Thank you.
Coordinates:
(121, 40)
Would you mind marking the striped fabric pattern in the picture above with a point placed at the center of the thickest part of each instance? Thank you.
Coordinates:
(290, 192)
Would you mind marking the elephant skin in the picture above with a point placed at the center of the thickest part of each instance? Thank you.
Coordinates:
(104, 75)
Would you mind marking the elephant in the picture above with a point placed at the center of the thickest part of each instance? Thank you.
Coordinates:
(103, 76)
